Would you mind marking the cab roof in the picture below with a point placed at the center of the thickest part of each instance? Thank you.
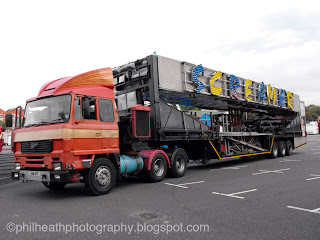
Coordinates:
(100, 78)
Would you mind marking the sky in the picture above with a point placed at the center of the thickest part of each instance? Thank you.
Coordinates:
(277, 42)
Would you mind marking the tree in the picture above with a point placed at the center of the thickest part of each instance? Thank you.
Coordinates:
(3, 126)
(312, 112)
(189, 108)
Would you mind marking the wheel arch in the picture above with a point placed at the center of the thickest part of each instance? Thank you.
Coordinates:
(114, 158)
(148, 155)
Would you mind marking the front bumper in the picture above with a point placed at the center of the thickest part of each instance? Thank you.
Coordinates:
(43, 176)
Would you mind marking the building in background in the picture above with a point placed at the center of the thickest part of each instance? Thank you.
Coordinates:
(6, 135)
(2, 115)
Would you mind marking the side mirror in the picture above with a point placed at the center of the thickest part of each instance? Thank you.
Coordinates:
(8, 120)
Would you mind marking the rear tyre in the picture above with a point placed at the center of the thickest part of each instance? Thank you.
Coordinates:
(101, 177)
(289, 148)
(179, 163)
(158, 169)
(282, 148)
(54, 185)
(274, 151)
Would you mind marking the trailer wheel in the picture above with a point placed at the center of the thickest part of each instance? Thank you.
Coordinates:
(289, 148)
(101, 177)
(179, 163)
(274, 151)
(54, 185)
(282, 148)
(158, 169)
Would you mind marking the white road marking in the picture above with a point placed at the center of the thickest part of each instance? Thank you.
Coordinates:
(182, 185)
(191, 183)
(4, 178)
(317, 210)
(275, 171)
(315, 177)
(289, 160)
(316, 153)
(234, 194)
(176, 185)
(233, 168)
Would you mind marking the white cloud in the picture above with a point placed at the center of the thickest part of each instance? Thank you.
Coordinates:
(275, 41)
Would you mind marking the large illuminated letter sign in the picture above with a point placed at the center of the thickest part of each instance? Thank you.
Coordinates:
(196, 70)
(248, 91)
(272, 94)
(281, 98)
(290, 98)
(261, 92)
(215, 90)
(234, 82)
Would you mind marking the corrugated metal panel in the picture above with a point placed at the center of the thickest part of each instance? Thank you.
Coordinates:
(170, 76)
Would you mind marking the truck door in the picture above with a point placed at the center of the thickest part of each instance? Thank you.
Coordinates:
(109, 126)
(87, 133)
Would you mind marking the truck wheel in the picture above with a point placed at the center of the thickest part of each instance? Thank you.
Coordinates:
(282, 148)
(158, 169)
(101, 177)
(179, 163)
(274, 151)
(54, 185)
(289, 148)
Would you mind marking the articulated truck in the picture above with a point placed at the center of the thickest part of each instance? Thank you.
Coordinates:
(99, 126)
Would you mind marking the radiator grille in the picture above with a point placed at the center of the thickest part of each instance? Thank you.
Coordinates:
(43, 146)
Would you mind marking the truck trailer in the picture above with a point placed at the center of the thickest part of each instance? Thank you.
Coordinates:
(99, 126)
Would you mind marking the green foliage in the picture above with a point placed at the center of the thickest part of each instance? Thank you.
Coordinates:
(312, 112)
(189, 108)
(3, 126)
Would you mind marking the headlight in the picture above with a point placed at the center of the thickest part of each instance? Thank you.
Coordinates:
(17, 166)
(57, 166)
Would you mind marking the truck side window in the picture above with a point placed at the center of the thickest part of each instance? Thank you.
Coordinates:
(77, 109)
(89, 108)
(106, 110)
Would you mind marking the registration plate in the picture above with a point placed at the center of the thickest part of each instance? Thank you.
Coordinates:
(34, 173)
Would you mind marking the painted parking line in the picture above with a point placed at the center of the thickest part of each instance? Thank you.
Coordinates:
(290, 160)
(234, 195)
(183, 184)
(4, 178)
(314, 177)
(317, 210)
(274, 171)
(233, 168)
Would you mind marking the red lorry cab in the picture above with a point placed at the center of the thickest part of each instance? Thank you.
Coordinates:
(80, 123)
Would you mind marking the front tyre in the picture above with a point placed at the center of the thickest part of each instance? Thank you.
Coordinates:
(158, 169)
(54, 185)
(101, 177)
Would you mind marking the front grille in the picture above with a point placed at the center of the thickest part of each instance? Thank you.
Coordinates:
(34, 162)
(43, 146)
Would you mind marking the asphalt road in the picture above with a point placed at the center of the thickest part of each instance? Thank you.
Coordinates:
(6, 165)
(258, 199)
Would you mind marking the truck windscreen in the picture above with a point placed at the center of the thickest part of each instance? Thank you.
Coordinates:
(47, 111)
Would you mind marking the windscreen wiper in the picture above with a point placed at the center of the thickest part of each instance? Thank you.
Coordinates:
(44, 123)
